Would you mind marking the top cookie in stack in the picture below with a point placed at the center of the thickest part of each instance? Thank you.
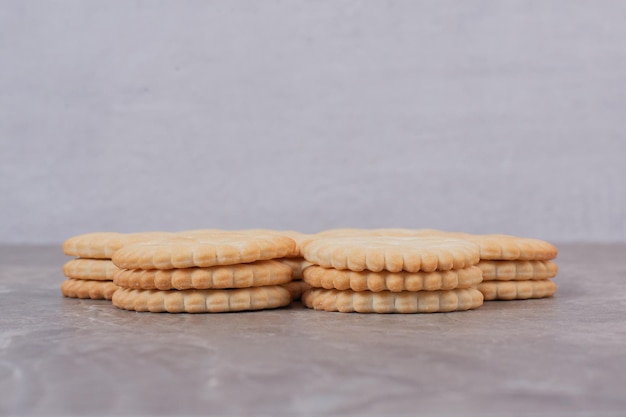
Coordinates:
(200, 271)
(384, 274)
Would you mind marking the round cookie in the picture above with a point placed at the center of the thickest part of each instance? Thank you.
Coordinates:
(394, 254)
(82, 288)
(329, 278)
(517, 270)
(517, 290)
(219, 249)
(102, 245)
(94, 269)
(202, 301)
(492, 246)
(388, 302)
(255, 274)
(511, 248)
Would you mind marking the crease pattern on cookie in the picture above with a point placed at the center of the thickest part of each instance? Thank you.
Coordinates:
(93, 269)
(394, 254)
(81, 288)
(517, 270)
(329, 278)
(256, 274)
(348, 301)
(227, 249)
(202, 301)
(517, 290)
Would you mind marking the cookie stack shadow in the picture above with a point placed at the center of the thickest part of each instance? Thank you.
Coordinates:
(204, 273)
(391, 274)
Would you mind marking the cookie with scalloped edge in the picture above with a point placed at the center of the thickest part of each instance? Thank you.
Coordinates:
(83, 288)
(348, 301)
(492, 246)
(254, 274)
(93, 269)
(202, 301)
(102, 245)
(203, 251)
(517, 290)
(517, 270)
(510, 248)
(330, 278)
(394, 254)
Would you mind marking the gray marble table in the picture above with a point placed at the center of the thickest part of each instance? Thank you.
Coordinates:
(560, 356)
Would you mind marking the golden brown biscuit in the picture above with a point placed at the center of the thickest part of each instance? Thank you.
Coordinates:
(389, 302)
(94, 269)
(202, 301)
(329, 278)
(82, 288)
(102, 245)
(255, 274)
(511, 248)
(298, 237)
(517, 290)
(517, 270)
(219, 249)
(492, 246)
(394, 254)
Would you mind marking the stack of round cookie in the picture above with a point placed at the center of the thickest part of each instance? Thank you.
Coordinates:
(90, 275)
(515, 268)
(391, 274)
(204, 271)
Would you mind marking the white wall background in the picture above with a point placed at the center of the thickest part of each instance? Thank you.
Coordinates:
(163, 115)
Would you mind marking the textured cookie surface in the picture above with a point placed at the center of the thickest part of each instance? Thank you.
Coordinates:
(256, 274)
(329, 278)
(517, 270)
(394, 254)
(94, 269)
(297, 265)
(102, 245)
(297, 237)
(517, 290)
(202, 301)
(81, 288)
(389, 302)
(511, 248)
(492, 246)
(296, 289)
(220, 249)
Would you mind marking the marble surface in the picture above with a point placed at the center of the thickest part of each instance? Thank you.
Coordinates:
(559, 356)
